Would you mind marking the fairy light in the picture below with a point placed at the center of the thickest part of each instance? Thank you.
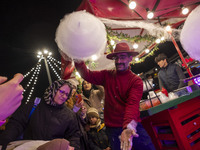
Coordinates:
(147, 51)
(55, 72)
(32, 82)
(54, 62)
(53, 59)
(162, 38)
(168, 28)
(78, 74)
(158, 41)
(112, 42)
(94, 57)
(28, 73)
(135, 45)
(136, 59)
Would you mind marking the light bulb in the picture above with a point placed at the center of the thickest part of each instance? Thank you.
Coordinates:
(147, 50)
(136, 59)
(132, 5)
(150, 14)
(135, 45)
(185, 10)
(168, 28)
(158, 40)
(94, 57)
(112, 42)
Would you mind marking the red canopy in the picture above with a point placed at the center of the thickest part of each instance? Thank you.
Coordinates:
(119, 10)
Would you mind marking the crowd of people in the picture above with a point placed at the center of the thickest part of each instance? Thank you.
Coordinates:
(106, 117)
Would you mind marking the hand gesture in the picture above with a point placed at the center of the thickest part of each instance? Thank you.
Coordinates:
(10, 95)
(126, 139)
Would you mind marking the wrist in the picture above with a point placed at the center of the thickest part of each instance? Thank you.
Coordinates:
(132, 125)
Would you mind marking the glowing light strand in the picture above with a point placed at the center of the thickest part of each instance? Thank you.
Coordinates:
(53, 69)
(33, 79)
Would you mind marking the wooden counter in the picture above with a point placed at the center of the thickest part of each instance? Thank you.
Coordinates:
(175, 125)
(170, 104)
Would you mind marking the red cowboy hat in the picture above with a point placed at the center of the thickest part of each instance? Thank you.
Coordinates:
(121, 48)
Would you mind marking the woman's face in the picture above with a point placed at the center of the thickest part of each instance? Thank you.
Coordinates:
(87, 86)
(62, 94)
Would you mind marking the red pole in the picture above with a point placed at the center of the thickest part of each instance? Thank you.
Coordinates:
(181, 55)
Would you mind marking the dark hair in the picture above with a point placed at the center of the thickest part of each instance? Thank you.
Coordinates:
(148, 75)
(160, 57)
(86, 93)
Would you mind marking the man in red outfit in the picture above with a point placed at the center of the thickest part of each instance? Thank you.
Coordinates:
(123, 92)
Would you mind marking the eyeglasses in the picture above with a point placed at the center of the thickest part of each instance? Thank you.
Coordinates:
(63, 92)
(120, 57)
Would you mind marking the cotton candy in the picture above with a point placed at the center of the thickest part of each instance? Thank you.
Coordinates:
(81, 35)
(190, 34)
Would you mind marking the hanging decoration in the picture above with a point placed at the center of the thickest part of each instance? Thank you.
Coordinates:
(114, 35)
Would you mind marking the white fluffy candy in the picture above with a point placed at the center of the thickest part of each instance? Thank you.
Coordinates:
(81, 35)
(190, 34)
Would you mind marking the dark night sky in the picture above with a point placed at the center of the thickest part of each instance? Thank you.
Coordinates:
(25, 27)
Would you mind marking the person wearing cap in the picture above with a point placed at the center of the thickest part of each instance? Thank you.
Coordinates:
(98, 139)
(123, 92)
(51, 118)
(170, 76)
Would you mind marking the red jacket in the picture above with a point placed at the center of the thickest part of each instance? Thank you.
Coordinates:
(123, 92)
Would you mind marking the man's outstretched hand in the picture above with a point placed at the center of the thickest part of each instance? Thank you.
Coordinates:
(126, 139)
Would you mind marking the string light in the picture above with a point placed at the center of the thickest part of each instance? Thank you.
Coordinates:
(54, 62)
(136, 59)
(150, 14)
(158, 41)
(78, 74)
(162, 38)
(112, 42)
(135, 46)
(94, 57)
(132, 4)
(168, 28)
(33, 79)
(55, 72)
(147, 51)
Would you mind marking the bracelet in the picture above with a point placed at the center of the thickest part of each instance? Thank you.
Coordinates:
(2, 122)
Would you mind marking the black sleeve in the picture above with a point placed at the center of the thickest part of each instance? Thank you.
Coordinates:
(16, 124)
(72, 134)
(92, 144)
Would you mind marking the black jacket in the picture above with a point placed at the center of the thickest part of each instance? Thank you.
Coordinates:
(170, 77)
(46, 123)
(98, 139)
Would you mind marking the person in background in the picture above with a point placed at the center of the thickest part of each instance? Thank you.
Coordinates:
(50, 120)
(76, 103)
(170, 75)
(95, 97)
(123, 92)
(10, 96)
(98, 139)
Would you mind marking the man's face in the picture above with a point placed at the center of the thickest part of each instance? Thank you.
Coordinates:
(122, 61)
(162, 63)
